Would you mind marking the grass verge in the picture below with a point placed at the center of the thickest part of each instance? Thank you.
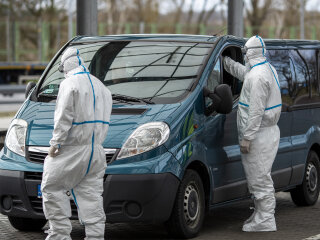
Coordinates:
(7, 114)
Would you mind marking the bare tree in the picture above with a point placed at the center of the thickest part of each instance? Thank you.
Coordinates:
(178, 4)
(132, 12)
(285, 14)
(190, 15)
(112, 16)
(29, 36)
(201, 15)
(206, 15)
(257, 13)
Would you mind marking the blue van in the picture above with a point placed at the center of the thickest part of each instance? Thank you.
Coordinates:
(171, 156)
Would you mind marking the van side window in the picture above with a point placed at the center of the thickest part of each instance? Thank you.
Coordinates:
(305, 84)
(281, 62)
(214, 80)
(235, 84)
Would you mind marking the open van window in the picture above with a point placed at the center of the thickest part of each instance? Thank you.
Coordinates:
(235, 84)
(218, 75)
(162, 72)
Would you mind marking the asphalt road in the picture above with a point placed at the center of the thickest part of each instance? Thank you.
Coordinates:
(223, 223)
(9, 107)
(14, 98)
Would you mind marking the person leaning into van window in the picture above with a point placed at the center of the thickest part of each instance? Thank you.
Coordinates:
(259, 110)
(75, 166)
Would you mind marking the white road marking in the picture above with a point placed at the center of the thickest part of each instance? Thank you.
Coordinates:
(316, 237)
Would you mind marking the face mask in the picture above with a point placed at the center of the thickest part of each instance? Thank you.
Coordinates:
(244, 50)
(61, 68)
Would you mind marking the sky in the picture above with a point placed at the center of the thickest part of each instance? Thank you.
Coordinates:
(313, 4)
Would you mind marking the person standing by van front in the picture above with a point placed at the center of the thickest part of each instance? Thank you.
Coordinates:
(259, 110)
(75, 166)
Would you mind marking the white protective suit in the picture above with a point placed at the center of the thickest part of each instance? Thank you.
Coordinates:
(81, 122)
(259, 110)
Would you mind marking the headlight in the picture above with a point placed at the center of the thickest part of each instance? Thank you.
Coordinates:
(16, 136)
(145, 138)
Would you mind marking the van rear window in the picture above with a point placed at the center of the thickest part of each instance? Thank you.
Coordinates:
(161, 72)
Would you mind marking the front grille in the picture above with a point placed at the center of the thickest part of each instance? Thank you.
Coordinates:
(109, 157)
(36, 204)
(37, 157)
(33, 175)
(38, 154)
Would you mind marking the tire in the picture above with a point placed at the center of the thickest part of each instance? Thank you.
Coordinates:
(27, 224)
(189, 208)
(307, 193)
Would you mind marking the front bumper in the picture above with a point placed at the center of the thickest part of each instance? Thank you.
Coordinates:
(143, 198)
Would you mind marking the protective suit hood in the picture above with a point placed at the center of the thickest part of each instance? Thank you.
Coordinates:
(256, 50)
(72, 62)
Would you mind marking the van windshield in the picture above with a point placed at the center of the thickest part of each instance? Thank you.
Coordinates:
(161, 72)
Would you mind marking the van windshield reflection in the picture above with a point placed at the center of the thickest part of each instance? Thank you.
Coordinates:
(154, 72)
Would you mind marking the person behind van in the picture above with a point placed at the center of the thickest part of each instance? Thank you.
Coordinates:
(259, 110)
(76, 163)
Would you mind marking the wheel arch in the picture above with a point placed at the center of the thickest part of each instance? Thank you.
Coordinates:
(316, 148)
(203, 172)
(301, 195)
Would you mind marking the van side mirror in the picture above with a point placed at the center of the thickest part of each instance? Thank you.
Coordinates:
(29, 87)
(221, 99)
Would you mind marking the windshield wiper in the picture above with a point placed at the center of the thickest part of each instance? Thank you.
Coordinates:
(130, 99)
(184, 89)
(47, 95)
(171, 54)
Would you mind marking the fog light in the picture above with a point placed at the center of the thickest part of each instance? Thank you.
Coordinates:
(7, 203)
(133, 209)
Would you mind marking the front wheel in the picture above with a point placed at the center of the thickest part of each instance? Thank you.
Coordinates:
(189, 209)
(27, 224)
(307, 193)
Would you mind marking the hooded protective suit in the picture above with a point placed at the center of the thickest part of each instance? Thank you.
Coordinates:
(81, 122)
(259, 110)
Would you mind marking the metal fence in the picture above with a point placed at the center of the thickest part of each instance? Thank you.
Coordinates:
(30, 41)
